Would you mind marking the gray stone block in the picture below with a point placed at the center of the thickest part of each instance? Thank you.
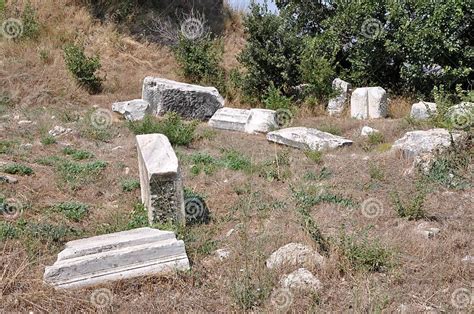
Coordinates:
(160, 179)
(189, 101)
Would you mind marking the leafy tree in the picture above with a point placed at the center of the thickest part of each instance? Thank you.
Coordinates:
(271, 55)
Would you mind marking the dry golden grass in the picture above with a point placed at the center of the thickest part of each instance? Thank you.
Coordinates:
(262, 213)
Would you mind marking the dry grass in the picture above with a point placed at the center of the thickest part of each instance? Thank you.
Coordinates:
(262, 212)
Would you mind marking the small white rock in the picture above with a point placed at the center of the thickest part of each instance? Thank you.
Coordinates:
(222, 254)
(59, 130)
(468, 259)
(8, 179)
(25, 122)
(301, 279)
(367, 130)
(426, 230)
(26, 146)
(294, 254)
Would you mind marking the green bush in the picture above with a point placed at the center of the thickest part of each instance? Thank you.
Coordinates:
(274, 99)
(408, 46)
(271, 54)
(315, 156)
(76, 174)
(200, 59)
(177, 131)
(15, 168)
(83, 68)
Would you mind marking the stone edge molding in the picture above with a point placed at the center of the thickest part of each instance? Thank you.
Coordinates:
(160, 179)
(116, 256)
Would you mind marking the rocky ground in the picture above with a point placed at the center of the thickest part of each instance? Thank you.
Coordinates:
(339, 207)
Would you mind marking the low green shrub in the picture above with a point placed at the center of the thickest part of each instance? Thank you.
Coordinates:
(412, 207)
(83, 68)
(16, 168)
(129, 185)
(315, 156)
(177, 131)
(74, 211)
(77, 154)
(274, 99)
(48, 140)
(364, 254)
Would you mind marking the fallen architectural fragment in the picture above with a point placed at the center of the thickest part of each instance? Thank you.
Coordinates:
(189, 101)
(369, 103)
(306, 138)
(117, 256)
(160, 179)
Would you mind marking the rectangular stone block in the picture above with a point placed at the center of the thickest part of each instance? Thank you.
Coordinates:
(369, 103)
(189, 101)
(160, 179)
(117, 256)
(231, 119)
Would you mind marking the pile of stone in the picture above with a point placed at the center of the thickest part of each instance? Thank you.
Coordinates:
(138, 252)
(160, 96)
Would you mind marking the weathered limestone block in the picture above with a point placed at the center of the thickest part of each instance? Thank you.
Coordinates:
(423, 110)
(132, 110)
(231, 119)
(416, 143)
(306, 138)
(301, 279)
(369, 103)
(261, 121)
(160, 179)
(336, 105)
(243, 120)
(367, 130)
(117, 256)
(294, 254)
(189, 101)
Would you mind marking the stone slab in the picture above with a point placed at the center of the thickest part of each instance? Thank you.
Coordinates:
(307, 138)
(117, 256)
(189, 101)
(160, 179)
(231, 119)
(132, 110)
(416, 143)
(261, 121)
(337, 104)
